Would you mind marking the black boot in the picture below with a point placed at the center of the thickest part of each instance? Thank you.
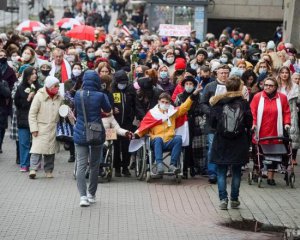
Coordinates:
(71, 159)
(126, 172)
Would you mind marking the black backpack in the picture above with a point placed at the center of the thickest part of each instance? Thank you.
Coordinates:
(231, 124)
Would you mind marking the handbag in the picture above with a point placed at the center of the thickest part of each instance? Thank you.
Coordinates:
(64, 131)
(95, 132)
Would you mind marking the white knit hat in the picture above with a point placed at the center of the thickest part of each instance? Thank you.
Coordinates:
(271, 45)
(50, 81)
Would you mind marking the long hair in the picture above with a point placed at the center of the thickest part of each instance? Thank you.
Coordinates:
(289, 83)
(27, 74)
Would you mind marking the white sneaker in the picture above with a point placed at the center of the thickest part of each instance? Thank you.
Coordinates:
(84, 202)
(91, 198)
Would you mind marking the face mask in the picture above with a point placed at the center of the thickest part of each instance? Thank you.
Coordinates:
(188, 89)
(122, 46)
(163, 74)
(79, 50)
(70, 58)
(241, 71)
(103, 85)
(263, 49)
(91, 55)
(154, 66)
(14, 58)
(164, 106)
(53, 91)
(223, 59)
(139, 75)
(142, 55)
(26, 57)
(262, 70)
(105, 55)
(76, 72)
(45, 72)
(192, 56)
(122, 86)
(205, 79)
(170, 60)
(3, 60)
(239, 55)
(210, 55)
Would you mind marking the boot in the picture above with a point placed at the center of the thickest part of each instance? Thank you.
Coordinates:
(71, 159)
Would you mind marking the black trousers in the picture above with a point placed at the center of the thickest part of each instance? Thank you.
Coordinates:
(121, 154)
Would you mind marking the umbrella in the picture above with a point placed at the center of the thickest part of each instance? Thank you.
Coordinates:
(32, 26)
(68, 23)
(82, 32)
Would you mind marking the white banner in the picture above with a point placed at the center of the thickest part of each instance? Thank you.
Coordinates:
(174, 30)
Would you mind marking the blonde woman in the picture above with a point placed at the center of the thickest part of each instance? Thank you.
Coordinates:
(291, 90)
(262, 66)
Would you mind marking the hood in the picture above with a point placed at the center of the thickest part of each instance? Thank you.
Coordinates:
(91, 81)
(226, 97)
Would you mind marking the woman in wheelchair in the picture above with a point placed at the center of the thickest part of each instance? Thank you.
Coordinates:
(161, 123)
(271, 113)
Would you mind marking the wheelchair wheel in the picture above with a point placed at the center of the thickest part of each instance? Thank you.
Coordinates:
(140, 163)
(286, 178)
(148, 176)
(292, 180)
(250, 178)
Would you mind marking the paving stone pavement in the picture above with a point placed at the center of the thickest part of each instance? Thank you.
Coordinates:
(130, 209)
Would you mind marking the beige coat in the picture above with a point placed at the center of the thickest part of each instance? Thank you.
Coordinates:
(43, 117)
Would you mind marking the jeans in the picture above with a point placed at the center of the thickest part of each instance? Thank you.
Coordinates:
(211, 167)
(174, 145)
(24, 146)
(235, 181)
(83, 154)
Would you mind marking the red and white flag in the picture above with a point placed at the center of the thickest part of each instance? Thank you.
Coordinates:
(126, 31)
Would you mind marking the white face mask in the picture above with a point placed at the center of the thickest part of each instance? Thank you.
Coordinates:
(188, 89)
(122, 86)
(76, 72)
(79, 50)
(14, 58)
(223, 59)
(170, 60)
(105, 55)
(164, 106)
(26, 57)
(154, 66)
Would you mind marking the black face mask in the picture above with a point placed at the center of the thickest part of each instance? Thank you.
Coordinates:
(45, 72)
(3, 60)
(205, 79)
(179, 72)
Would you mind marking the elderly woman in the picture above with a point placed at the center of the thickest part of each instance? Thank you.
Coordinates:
(43, 118)
(291, 90)
(271, 113)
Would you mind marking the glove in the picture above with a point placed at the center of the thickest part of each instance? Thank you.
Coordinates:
(136, 136)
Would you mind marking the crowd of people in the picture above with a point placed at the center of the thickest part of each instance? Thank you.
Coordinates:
(125, 77)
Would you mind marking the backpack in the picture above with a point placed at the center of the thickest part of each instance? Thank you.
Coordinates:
(231, 124)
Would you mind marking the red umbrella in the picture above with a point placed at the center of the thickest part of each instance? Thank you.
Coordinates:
(82, 32)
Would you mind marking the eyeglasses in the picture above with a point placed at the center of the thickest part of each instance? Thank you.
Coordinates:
(269, 85)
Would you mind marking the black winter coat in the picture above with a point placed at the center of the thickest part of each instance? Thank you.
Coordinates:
(22, 105)
(4, 99)
(124, 101)
(224, 150)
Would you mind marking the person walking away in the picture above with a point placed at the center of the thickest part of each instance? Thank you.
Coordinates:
(93, 102)
(230, 116)
(43, 118)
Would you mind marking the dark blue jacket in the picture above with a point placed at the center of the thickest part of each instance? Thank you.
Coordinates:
(94, 101)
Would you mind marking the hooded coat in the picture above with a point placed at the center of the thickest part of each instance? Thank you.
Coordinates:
(94, 101)
(224, 150)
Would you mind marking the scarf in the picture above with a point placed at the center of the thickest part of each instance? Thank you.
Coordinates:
(260, 113)
(65, 71)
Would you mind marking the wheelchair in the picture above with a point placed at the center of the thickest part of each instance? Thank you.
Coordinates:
(145, 167)
(107, 162)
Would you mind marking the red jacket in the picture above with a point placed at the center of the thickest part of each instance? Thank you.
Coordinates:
(269, 119)
(179, 89)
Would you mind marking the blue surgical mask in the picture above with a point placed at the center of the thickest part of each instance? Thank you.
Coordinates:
(188, 89)
(142, 55)
(238, 55)
(122, 86)
(122, 46)
(223, 59)
(91, 55)
(262, 70)
(163, 74)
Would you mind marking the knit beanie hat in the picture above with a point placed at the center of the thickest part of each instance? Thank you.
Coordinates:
(121, 76)
(50, 81)
(271, 45)
(180, 64)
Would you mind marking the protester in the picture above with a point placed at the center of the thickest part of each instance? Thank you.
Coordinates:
(43, 126)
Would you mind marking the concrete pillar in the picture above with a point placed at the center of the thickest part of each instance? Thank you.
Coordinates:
(23, 10)
(291, 23)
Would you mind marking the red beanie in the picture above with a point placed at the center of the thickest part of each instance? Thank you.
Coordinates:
(180, 64)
